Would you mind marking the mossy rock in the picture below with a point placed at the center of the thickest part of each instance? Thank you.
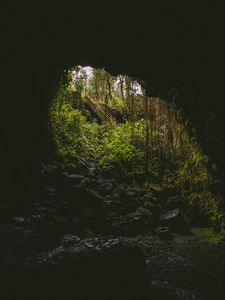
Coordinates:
(156, 187)
(152, 206)
(147, 215)
(94, 194)
(138, 191)
(174, 202)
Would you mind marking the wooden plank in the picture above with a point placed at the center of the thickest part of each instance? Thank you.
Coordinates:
(94, 109)
(99, 111)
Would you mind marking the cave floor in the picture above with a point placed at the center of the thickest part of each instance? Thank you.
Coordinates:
(180, 265)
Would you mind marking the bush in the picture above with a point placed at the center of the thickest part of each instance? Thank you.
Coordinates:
(73, 136)
(192, 168)
(117, 147)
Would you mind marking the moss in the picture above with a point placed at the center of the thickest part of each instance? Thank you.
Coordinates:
(210, 236)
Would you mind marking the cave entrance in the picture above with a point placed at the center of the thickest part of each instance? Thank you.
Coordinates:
(96, 115)
(124, 148)
(110, 120)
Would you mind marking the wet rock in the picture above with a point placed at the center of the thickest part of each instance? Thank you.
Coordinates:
(51, 189)
(170, 215)
(73, 176)
(153, 206)
(145, 212)
(107, 169)
(137, 191)
(112, 204)
(175, 220)
(121, 222)
(148, 215)
(130, 225)
(89, 269)
(94, 194)
(50, 192)
(45, 169)
(92, 166)
(149, 196)
(157, 188)
(164, 232)
(163, 290)
(167, 192)
(18, 219)
(106, 186)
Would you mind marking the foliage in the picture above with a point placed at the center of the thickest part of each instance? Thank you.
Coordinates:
(193, 172)
(73, 136)
(207, 235)
(117, 146)
(152, 146)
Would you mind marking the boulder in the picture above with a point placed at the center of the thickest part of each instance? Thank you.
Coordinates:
(175, 220)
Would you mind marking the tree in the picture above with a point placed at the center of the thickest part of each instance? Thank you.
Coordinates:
(121, 83)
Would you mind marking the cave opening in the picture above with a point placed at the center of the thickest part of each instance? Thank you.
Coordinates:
(117, 142)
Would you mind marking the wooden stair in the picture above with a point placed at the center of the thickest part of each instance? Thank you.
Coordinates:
(99, 110)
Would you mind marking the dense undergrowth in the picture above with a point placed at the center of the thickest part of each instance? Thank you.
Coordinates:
(152, 146)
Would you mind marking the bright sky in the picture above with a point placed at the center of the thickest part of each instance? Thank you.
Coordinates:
(89, 71)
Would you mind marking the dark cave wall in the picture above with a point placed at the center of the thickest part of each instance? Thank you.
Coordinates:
(168, 45)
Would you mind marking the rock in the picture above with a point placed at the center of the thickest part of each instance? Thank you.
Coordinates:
(147, 197)
(73, 176)
(112, 204)
(170, 215)
(149, 216)
(162, 290)
(128, 197)
(175, 220)
(167, 192)
(94, 194)
(155, 188)
(51, 189)
(145, 212)
(89, 269)
(19, 219)
(107, 186)
(130, 225)
(172, 202)
(107, 169)
(164, 232)
(70, 239)
(139, 192)
(153, 206)
(92, 166)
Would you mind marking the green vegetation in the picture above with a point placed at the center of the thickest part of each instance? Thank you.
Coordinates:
(147, 142)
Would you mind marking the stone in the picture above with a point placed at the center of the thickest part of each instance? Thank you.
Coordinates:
(170, 214)
(73, 176)
(70, 239)
(145, 212)
(155, 188)
(175, 220)
(107, 186)
(92, 166)
(95, 194)
(19, 219)
(89, 269)
(164, 232)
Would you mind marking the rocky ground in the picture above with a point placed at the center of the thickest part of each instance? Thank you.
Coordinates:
(88, 233)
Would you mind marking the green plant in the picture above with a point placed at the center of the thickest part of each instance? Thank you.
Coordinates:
(73, 136)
